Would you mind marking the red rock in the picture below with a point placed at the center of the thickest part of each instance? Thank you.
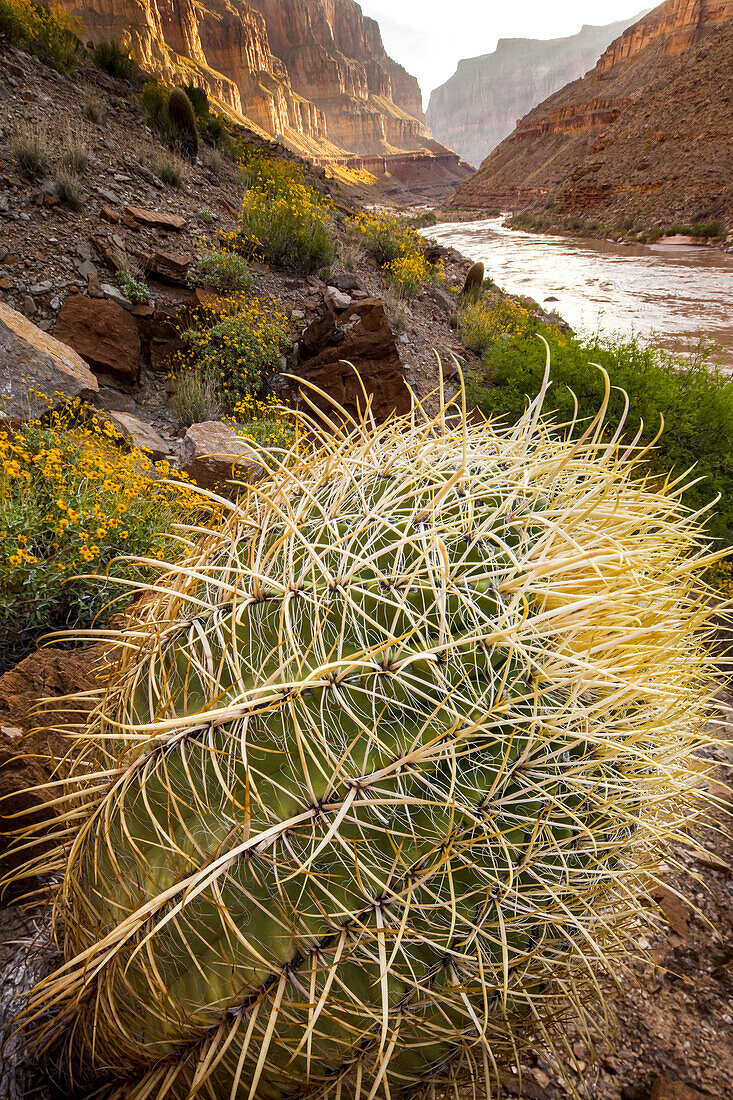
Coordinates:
(666, 1089)
(361, 337)
(109, 214)
(37, 371)
(102, 332)
(677, 912)
(162, 336)
(155, 219)
(172, 267)
(213, 454)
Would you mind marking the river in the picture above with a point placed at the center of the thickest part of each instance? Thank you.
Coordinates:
(675, 293)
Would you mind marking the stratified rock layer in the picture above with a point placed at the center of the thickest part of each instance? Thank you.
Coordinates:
(645, 134)
(312, 73)
(480, 104)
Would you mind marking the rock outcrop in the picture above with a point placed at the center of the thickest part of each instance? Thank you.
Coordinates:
(312, 73)
(480, 104)
(645, 134)
(37, 371)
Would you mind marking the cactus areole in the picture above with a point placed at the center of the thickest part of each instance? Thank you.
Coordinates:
(387, 759)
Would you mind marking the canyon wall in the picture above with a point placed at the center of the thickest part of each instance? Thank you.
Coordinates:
(644, 135)
(479, 106)
(313, 73)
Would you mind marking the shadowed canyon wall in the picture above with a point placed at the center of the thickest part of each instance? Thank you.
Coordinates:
(480, 104)
(645, 134)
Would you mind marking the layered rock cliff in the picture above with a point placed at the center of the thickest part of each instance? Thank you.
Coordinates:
(645, 135)
(480, 104)
(313, 73)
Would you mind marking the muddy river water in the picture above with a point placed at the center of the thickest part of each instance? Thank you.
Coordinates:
(676, 293)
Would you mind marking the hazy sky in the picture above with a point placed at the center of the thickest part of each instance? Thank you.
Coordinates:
(429, 37)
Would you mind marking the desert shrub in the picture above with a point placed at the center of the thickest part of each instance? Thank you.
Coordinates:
(206, 216)
(196, 396)
(482, 321)
(238, 343)
(395, 308)
(114, 59)
(169, 168)
(694, 398)
(74, 158)
(93, 108)
(714, 228)
(284, 221)
(69, 190)
(29, 144)
(398, 250)
(47, 32)
(199, 99)
(72, 500)
(225, 271)
(154, 102)
(263, 421)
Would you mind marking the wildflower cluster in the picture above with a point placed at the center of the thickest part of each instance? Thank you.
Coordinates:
(483, 320)
(398, 250)
(237, 343)
(263, 420)
(284, 222)
(72, 501)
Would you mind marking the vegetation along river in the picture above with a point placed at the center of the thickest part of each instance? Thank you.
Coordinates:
(677, 294)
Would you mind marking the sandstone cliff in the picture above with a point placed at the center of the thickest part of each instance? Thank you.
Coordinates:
(480, 104)
(313, 73)
(644, 135)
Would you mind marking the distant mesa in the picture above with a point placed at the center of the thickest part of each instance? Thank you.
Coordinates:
(645, 135)
(479, 106)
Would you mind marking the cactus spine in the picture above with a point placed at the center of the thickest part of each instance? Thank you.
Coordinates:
(388, 757)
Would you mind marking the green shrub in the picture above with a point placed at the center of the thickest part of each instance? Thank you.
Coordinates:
(284, 221)
(695, 399)
(72, 500)
(47, 32)
(114, 59)
(238, 343)
(697, 229)
(226, 272)
(29, 144)
(199, 99)
(133, 287)
(398, 250)
(154, 102)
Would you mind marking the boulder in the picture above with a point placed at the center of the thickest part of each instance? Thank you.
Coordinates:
(338, 298)
(37, 371)
(360, 336)
(666, 1089)
(171, 267)
(139, 434)
(213, 454)
(103, 332)
(155, 219)
(33, 707)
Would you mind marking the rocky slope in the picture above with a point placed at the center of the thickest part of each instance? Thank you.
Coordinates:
(645, 135)
(480, 104)
(313, 73)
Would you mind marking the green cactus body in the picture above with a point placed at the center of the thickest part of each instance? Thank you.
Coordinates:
(388, 752)
(183, 118)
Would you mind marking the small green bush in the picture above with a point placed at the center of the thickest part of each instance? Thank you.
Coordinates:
(114, 59)
(238, 344)
(135, 289)
(170, 169)
(695, 399)
(226, 272)
(199, 99)
(284, 221)
(714, 228)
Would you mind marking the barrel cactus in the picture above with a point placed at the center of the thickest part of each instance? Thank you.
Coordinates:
(382, 768)
(183, 119)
